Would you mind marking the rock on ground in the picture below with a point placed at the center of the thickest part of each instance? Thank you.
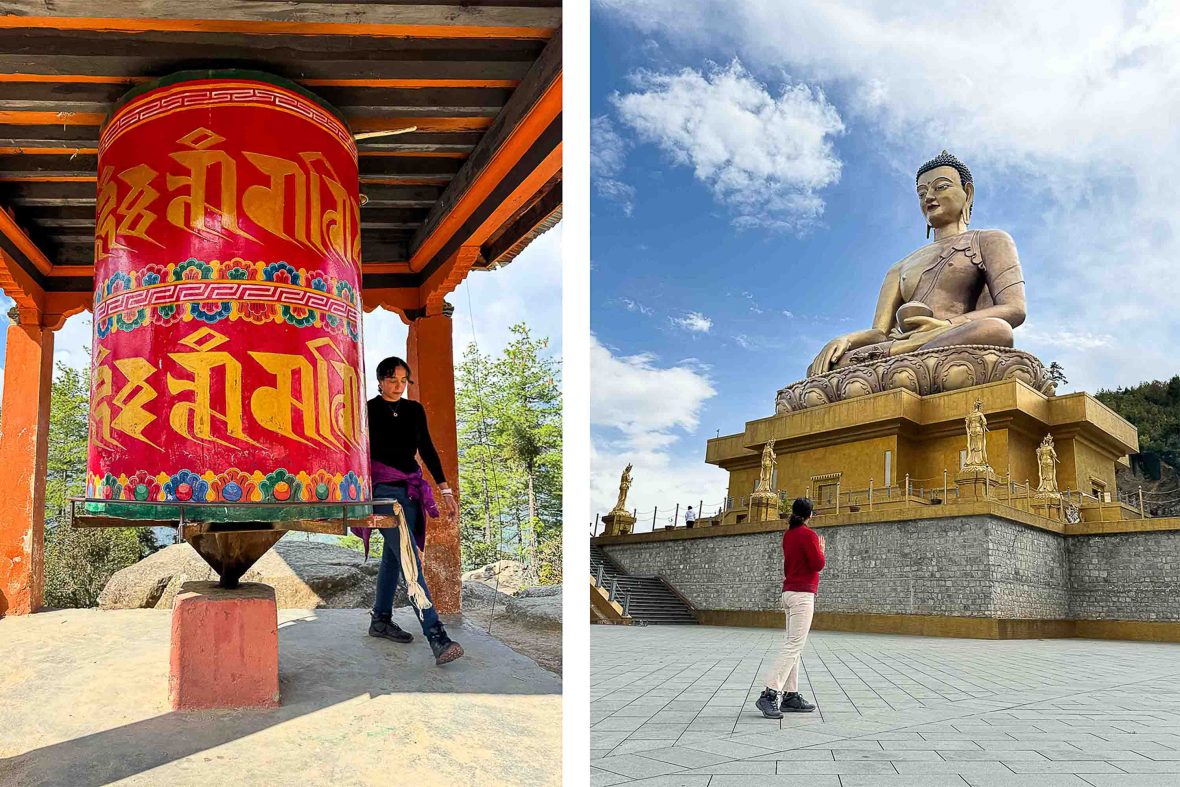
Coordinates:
(539, 591)
(540, 611)
(477, 595)
(304, 574)
(535, 607)
(506, 576)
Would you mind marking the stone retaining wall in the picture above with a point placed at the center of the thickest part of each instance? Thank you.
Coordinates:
(1128, 576)
(961, 566)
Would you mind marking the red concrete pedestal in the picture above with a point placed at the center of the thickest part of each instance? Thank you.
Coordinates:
(225, 647)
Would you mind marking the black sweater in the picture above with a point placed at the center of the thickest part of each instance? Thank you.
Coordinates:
(394, 440)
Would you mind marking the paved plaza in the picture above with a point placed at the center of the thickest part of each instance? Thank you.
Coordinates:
(674, 705)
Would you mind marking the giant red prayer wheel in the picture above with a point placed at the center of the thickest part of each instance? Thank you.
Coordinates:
(227, 362)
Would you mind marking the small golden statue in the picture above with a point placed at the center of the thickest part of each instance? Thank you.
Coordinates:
(624, 487)
(1047, 468)
(976, 440)
(963, 288)
(768, 465)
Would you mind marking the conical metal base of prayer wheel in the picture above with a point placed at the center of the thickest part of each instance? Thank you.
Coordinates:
(232, 554)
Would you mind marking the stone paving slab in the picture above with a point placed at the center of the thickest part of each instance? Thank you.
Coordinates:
(674, 705)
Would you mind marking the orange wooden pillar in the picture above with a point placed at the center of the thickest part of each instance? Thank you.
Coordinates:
(429, 351)
(24, 448)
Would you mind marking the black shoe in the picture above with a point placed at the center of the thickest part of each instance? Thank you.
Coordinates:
(383, 626)
(444, 649)
(793, 702)
(768, 704)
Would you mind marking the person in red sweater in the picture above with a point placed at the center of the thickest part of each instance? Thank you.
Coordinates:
(803, 559)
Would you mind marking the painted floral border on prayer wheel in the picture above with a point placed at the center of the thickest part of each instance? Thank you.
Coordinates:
(227, 363)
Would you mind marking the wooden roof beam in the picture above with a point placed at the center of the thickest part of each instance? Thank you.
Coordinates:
(23, 271)
(528, 223)
(529, 121)
(443, 281)
(394, 20)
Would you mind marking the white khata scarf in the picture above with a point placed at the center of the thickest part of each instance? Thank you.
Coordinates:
(409, 563)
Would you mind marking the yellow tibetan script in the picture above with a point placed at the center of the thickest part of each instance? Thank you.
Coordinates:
(313, 398)
(302, 201)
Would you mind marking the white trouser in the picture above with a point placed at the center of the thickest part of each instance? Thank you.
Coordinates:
(784, 674)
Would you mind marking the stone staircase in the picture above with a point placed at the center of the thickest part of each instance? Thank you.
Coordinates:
(648, 600)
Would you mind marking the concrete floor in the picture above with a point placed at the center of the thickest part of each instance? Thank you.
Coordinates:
(84, 701)
(673, 706)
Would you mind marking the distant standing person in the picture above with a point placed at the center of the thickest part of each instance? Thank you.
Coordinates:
(398, 432)
(690, 517)
(803, 559)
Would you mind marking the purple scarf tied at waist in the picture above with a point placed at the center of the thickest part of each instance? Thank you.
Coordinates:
(416, 489)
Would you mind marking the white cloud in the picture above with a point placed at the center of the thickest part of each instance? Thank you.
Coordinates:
(635, 306)
(1032, 335)
(634, 395)
(660, 481)
(639, 413)
(1076, 111)
(528, 290)
(6, 303)
(71, 344)
(384, 335)
(693, 321)
(764, 157)
(754, 307)
(608, 155)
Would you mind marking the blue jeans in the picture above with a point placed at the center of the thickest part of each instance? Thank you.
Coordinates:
(390, 573)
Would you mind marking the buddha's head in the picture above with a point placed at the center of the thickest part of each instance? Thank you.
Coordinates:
(945, 191)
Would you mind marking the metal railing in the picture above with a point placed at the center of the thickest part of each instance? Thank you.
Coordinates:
(1008, 491)
(598, 571)
(663, 518)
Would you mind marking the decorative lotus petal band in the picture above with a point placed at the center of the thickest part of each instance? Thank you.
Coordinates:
(231, 486)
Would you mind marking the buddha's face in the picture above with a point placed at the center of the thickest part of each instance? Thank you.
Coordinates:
(941, 196)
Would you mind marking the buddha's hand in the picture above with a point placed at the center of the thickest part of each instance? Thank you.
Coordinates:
(832, 352)
(924, 324)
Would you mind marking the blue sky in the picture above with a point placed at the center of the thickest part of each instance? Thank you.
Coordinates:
(753, 169)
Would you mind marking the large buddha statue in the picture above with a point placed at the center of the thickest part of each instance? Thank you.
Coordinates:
(963, 288)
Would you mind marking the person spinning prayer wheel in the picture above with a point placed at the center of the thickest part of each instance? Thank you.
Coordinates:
(397, 433)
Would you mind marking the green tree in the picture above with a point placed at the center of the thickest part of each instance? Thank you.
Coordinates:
(509, 419)
(78, 561)
(1154, 409)
(530, 432)
(69, 419)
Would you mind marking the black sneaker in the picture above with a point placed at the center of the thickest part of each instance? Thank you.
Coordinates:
(768, 704)
(383, 626)
(444, 649)
(793, 702)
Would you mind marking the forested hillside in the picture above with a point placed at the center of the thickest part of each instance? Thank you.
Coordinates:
(1154, 409)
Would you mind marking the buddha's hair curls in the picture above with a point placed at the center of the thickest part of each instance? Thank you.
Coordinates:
(945, 159)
